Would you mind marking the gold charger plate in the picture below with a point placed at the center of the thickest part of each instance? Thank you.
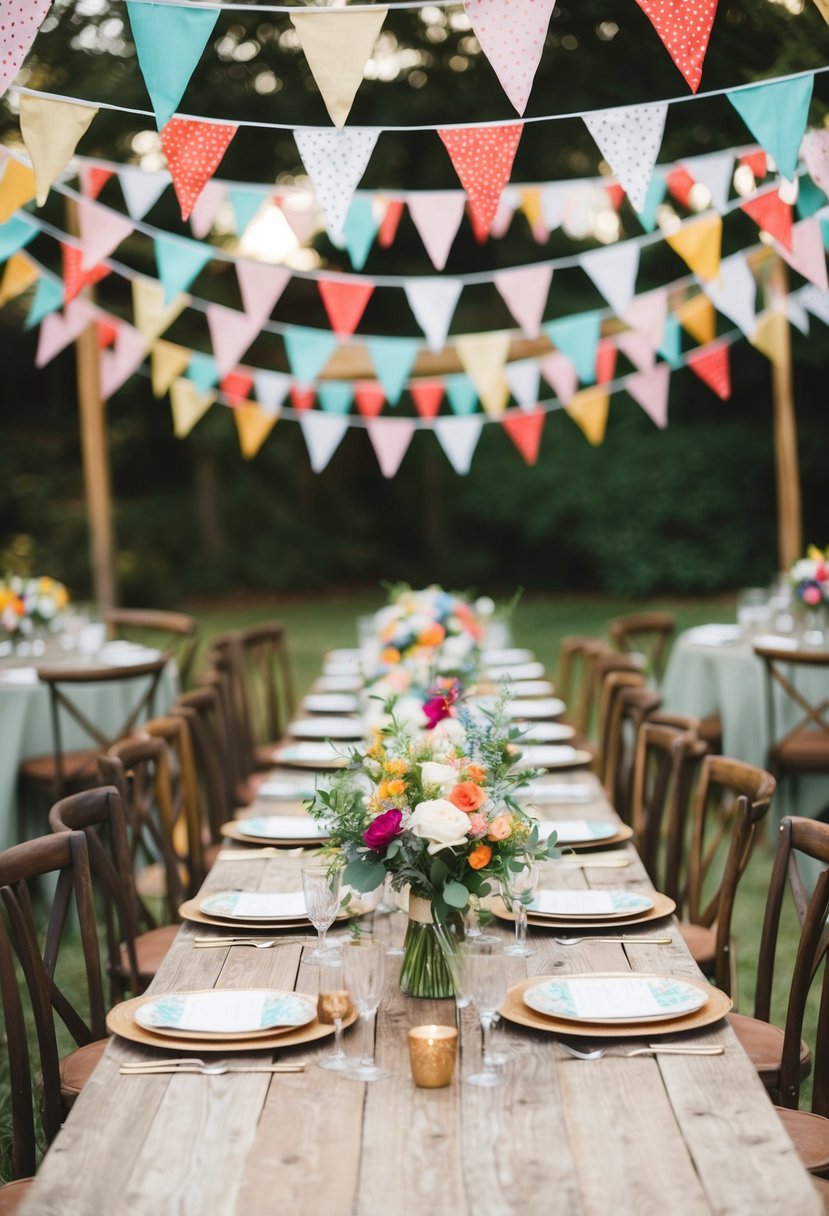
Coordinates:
(663, 906)
(190, 910)
(121, 1021)
(624, 833)
(715, 1008)
(235, 831)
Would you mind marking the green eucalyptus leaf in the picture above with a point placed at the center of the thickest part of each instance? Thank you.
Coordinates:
(364, 875)
(456, 894)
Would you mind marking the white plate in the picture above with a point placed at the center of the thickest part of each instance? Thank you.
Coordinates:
(536, 707)
(341, 667)
(285, 791)
(516, 671)
(326, 728)
(540, 791)
(715, 635)
(576, 831)
(530, 688)
(325, 754)
(544, 755)
(546, 732)
(338, 683)
(331, 703)
(503, 658)
(614, 998)
(226, 1011)
(579, 904)
(344, 654)
(255, 905)
(282, 827)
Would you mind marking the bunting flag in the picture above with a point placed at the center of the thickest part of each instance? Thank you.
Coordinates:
(712, 366)
(629, 139)
(637, 348)
(202, 371)
(335, 161)
(253, 425)
(816, 301)
(271, 389)
(482, 157)
(393, 360)
(696, 316)
(231, 333)
(152, 315)
(823, 6)
(483, 357)
(194, 151)
(59, 329)
(302, 399)
(525, 432)
(179, 261)
(653, 199)
(523, 379)
(323, 434)
(391, 221)
(699, 244)
(680, 183)
(427, 396)
(236, 387)
(810, 198)
(606, 355)
(798, 315)
(101, 231)
(756, 162)
(308, 351)
(715, 171)
(141, 189)
(589, 410)
(14, 235)
(734, 292)
(561, 376)
(302, 215)
(51, 131)
(360, 229)
(613, 271)
(118, 364)
(390, 438)
(533, 209)
(433, 303)
(807, 255)
(260, 286)
(93, 178)
(773, 215)
(337, 45)
(815, 153)
(17, 187)
(524, 291)
(107, 332)
(187, 405)
(512, 35)
(168, 361)
(48, 299)
(461, 393)
(459, 437)
(246, 204)
(771, 337)
(335, 396)
(369, 398)
(75, 278)
(577, 337)
(650, 389)
(169, 41)
(684, 27)
(18, 274)
(647, 315)
(776, 114)
(345, 303)
(437, 214)
(206, 208)
(19, 22)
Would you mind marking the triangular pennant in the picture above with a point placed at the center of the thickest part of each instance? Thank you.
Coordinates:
(393, 360)
(776, 114)
(653, 198)
(823, 6)
(699, 244)
(141, 189)
(647, 314)
(525, 432)
(714, 170)
(697, 318)
(629, 139)
(337, 44)
(179, 261)
(684, 27)
(734, 292)
(169, 41)
(561, 376)
(577, 337)
(815, 153)
(168, 362)
(308, 351)
(390, 222)
(93, 178)
(188, 405)
(101, 231)
(670, 348)
(606, 354)
(433, 302)
(202, 371)
(816, 301)
(246, 204)
(302, 214)
(17, 187)
(459, 437)
(615, 195)
(48, 299)
(360, 229)
(390, 438)
(756, 162)
(231, 333)
(523, 378)
(613, 270)
(369, 398)
(206, 208)
(59, 329)
(589, 410)
(461, 393)
(18, 274)
(711, 364)
(533, 209)
(302, 398)
(335, 396)
(483, 158)
(51, 130)
(107, 332)
(525, 291)
(680, 183)
(437, 214)
(253, 427)
(19, 22)
(345, 303)
(650, 390)
(75, 278)
(512, 35)
(260, 286)
(271, 389)
(151, 314)
(553, 199)
(637, 348)
(15, 234)
(427, 396)
(797, 314)
(193, 151)
(483, 357)
(773, 215)
(771, 337)
(810, 198)
(236, 387)
(118, 364)
(323, 434)
(807, 255)
(335, 161)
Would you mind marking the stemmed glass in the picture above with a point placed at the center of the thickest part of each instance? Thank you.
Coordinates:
(487, 972)
(321, 888)
(363, 961)
(334, 1004)
(517, 889)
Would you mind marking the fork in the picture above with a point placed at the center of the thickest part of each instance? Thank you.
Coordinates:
(596, 1053)
(261, 943)
(152, 1067)
(630, 940)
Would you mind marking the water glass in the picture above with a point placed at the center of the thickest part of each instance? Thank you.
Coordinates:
(363, 964)
(488, 988)
(517, 889)
(333, 1005)
(753, 611)
(321, 888)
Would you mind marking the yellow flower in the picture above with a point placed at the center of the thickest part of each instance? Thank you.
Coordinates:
(396, 766)
(390, 789)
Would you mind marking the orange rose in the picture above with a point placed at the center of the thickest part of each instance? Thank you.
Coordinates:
(467, 796)
(396, 766)
(476, 772)
(480, 856)
(390, 655)
(500, 828)
(432, 635)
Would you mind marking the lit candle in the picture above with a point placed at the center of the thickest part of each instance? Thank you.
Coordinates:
(432, 1050)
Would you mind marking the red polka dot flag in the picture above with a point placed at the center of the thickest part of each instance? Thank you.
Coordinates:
(194, 151)
(19, 22)
(483, 158)
(685, 27)
(712, 366)
(74, 277)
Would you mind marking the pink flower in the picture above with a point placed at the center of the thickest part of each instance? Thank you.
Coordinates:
(382, 830)
(477, 827)
(440, 702)
(811, 595)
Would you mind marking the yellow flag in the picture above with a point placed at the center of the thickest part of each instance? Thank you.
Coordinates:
(532, 206)
(51, 130)
(771, 337)
(698, 318)
(337, 45)
(188, 406)
(150, 314)
(483, 357)
(699, 244)
(17, 187)
(589, 410)
(823, 5)
(253, 426)
(19, 274)
(168, 362)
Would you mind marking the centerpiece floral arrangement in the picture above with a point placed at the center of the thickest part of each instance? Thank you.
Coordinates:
(810, 577)
(436, 809)
(26, 603)
(428, 633)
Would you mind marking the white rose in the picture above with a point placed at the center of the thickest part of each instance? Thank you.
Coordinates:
(408, 711)
(439, 822)
(442, 775)
(448, 730)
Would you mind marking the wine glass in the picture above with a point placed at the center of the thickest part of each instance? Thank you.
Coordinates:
(363, 961)
(334, 1004)
(517, 889)
(321, 888)
(488, 988)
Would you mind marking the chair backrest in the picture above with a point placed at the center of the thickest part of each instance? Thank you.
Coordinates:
(631, 705)
(647, 634)
(592, 710)
(29, 980)
(613, 683)
(140, 681)
(261, 681)
(781, 673)
(191, 823)
(574, 684)
(176, 633)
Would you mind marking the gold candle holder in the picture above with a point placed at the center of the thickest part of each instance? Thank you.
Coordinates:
(432, 1050)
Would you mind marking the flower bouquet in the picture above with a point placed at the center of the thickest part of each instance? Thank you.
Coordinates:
(430, 632)
(28, 603)
(437, 810)
(810, 580)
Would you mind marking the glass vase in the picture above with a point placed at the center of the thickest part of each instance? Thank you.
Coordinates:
(814, 625)
(424, 972)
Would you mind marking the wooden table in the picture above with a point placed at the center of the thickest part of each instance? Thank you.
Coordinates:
(668, 1135)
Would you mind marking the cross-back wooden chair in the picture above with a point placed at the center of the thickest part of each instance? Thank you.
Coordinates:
(613, 683)
(632, 704)
(195, 838)
(176, 633)
(574, 684)
(602, 664)
(262, 687)
(804, 747)
(215, 743)
(30, 988)
(647, 634)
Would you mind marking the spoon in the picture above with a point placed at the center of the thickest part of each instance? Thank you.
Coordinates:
(596, 1053)
(630, 940)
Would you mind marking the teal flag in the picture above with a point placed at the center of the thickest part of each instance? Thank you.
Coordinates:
(245, 203)
(335, 396)
(810, 198)
(671, 348)
(461, 393)
(393, 359)
(308, 351)
(178, 262)
(14, 234)
(577, 337)
(48, 298)
(359, 231)
(202, 370)
(655, 195)
(169, 40)
(776, 115)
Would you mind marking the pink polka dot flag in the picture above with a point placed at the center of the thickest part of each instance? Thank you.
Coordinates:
(685, 27)
(512, 34)
(19, 22)
(194, 151)
(712, 366)
(483, 158)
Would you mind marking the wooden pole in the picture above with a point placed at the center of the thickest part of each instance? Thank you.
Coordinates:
(94, 446)
(789, 504)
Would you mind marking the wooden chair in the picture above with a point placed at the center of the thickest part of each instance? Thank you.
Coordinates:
(633, 704)
(262, 688)
(195, 835)
(175, 633)
(200, 709)
(613, 685)
(574, 685)
(592, 712)
(646, 634)
(804, 748)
